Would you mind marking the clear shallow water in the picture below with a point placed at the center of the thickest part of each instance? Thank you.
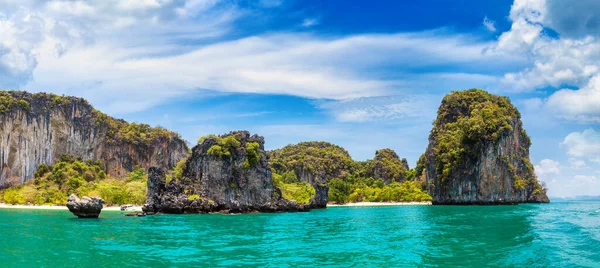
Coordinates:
(555, 235)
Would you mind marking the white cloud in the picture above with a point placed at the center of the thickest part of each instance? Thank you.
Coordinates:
(108, 51)
(577, 163)
(585, 179)
(382, 108)
(584, 144)
(582, 104)
(546, 167)
(309, 22)
(294, 64)
(490, 25)
(570, 59)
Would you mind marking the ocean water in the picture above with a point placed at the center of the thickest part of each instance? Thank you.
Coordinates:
(548, 235)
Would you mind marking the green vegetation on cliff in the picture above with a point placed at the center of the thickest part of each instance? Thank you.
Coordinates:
(117, 130)
(53, 184)
(374, 190)
(349, 181)
(466, 121)
(291, 189)
(321, 159)
(388, 166)
(8, 102)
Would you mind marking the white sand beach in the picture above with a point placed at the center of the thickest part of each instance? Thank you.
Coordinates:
(380, 204)
(7, 206)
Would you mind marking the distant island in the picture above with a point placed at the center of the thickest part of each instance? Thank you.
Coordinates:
(54, 146)
(576, 198)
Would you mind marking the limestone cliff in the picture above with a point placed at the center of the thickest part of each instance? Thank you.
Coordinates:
(38, 128)
(228, 173)
(316, 163)
(478, 153)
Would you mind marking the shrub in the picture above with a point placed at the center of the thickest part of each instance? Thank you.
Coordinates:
(193, 197)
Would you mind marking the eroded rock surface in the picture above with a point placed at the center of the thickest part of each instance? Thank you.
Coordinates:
(478, 153)
(38, 128)
(228, 174)
(85, 207)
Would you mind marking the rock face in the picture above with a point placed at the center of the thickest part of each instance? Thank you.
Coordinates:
(389, 167)
(315, 163)
(85, 207)
(229, 174)
(478, 153)
(38, 128)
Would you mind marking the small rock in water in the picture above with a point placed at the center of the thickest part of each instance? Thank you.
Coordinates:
(137, 213)
(85, 207)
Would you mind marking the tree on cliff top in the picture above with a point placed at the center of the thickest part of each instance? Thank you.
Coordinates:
(317, 158)
(388, 166)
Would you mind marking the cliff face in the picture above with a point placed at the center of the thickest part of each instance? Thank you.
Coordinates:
(315, 163)
(228, 173)
(478, 153)
(38, 128)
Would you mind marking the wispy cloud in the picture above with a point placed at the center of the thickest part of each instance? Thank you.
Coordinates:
(490, 25)
(309, 22)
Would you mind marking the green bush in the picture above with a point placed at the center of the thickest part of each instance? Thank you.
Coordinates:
(339, 191)
(252, 154)
(224, 147)
(53, 184)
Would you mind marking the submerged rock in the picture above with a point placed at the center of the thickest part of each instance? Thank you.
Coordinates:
(478, 153)
(227, 174)
(85, 207)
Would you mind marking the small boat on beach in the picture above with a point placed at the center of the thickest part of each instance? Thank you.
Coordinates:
(126, 207)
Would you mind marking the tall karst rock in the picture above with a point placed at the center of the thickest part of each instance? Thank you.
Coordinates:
(228, 173)
(38, 128)
(315, 163)
(478, 153)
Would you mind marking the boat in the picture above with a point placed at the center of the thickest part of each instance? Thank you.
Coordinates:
(126, 207)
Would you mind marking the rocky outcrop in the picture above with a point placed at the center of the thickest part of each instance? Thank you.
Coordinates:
(228, 174)
(85, 207)
(389, 167)
(315, 163)
(38, 128)
(478, 153)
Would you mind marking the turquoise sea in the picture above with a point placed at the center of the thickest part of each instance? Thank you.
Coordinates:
(548, 235)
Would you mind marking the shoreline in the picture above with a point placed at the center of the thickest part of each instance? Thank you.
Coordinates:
(139, 208)
(381, 204)
(42, 207)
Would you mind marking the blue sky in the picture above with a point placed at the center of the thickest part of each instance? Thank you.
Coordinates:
(362, 74)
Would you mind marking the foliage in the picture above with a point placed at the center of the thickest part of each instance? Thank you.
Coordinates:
(323, 158)
(224, 147)
(193, 197)
(300, 192)
(8, 102)
(339, 191)
(177, 171)
(371, 190)
(466, 121)
(117, 130)
(53, 184)
(252, 155)
(388, 166)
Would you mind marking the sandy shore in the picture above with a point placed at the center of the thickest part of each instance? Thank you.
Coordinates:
(139, 208)
(379, 204)
(7, 206)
